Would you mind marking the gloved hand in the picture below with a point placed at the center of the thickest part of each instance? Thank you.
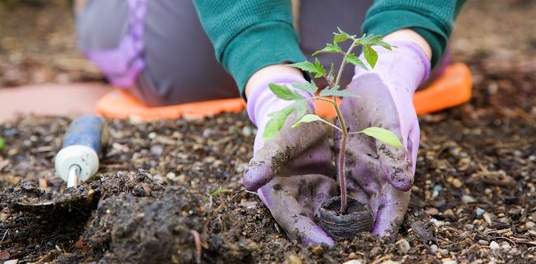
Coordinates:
(378, 174)
(289, 172)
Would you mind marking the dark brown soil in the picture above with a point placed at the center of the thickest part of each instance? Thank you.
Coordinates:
(171, 191)
(473, 189)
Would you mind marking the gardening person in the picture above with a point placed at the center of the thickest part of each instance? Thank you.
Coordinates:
(159, 51)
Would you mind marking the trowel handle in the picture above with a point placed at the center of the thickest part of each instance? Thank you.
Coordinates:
(87, 130)
(82, 146)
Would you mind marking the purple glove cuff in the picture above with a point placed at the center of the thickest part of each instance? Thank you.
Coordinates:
(262, 101)
(416, 68)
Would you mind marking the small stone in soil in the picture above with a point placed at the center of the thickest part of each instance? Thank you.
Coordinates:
(403, 246)
(294, 259)
(433, 248)
(456, 183)
(353, 261)
(506, 246)
(493, 245)
(318, 250)
(432, 211)
(479, 212)
(483, 242)
(468, 199)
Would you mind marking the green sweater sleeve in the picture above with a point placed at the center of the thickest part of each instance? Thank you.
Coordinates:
(432, 19)
(250, 34)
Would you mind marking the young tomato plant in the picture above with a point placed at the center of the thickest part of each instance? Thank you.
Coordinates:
(330, 94)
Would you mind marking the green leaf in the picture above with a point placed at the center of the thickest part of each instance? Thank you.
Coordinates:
(307, 119)
(283, 92)
(276, 122)
(385, 45)
(305, 66)
(341, 36)
(370, 55)
(353, 59)
(373, 40)
(2, 143)
(301, 108)
(320, 69)
(309, 87)
(315, 68)
(336, 92)
(330, 48)
(219, 191)
(382, 135)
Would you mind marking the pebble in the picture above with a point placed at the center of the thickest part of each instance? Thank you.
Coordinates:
(487, 217)
(468, 199)
(170, 176)
(3, 217)
(437, 190)
(506, 246)
(293, 259)
(432, 211)
(11, 261)
(247, 131)
(479, 212)
(181, 178)
(483, 242)
(469, 227)
(450, 261)
(157, 150)
(4, 214)
(433, 248)
(493, 245)
(353, 261)
(457, 183)
(318, 250)
(352, 255)
(437, 222)
(403, 246)
(448, 213)
(444, 252)
(530, 224)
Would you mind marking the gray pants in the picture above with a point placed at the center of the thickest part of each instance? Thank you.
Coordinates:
(170, 58)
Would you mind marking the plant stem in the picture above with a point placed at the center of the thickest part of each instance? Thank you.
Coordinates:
(344, 131)
(342, 153)
(343, 63)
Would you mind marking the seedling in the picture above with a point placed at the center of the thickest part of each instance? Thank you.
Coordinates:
(215, 193)
(1, 143)
(330, 94)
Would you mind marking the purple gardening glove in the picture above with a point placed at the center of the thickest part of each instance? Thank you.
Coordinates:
(289, 172)
(378, 174)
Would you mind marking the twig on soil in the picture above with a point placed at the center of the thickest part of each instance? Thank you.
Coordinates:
(197, 240)
(507, 239)
(5, 234)
(524, 241)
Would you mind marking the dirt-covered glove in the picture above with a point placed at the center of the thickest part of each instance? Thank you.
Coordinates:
(289, 171)
(379, 174)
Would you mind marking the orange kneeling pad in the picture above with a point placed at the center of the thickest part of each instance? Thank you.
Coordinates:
(452, 88)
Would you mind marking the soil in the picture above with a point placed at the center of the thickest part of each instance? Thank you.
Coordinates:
(171, 191)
